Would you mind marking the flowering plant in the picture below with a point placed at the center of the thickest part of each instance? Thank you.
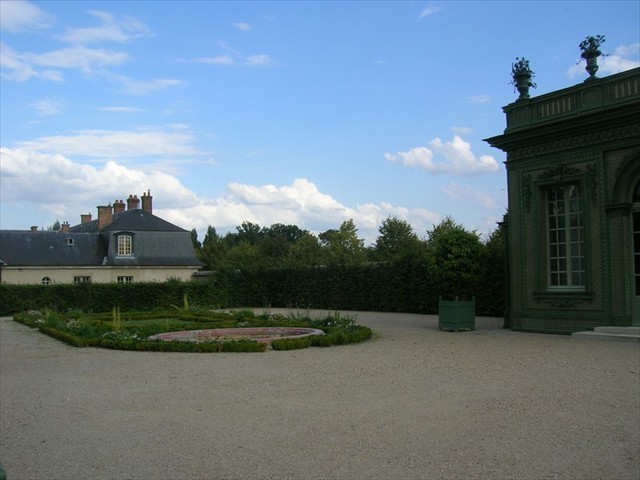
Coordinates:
(519, 69)
(591, 45)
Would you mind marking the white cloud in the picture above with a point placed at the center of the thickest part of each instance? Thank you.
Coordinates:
(217, 60)
(623, 58)
(18, 16)
(137, 87)
(480, 98)
(17, 68)
(245, 27)
(45, 179)
(67, 188)
(462, 130)
(119, 29)
(260, 60)
(152, 142)
(429, 10)
(452, 157)
(79, 57)
(47, 107)
(466, 193)
(121, 109)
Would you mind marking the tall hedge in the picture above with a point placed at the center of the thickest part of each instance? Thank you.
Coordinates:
(405, 286)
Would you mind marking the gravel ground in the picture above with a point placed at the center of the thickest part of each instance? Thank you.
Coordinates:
(413, 403)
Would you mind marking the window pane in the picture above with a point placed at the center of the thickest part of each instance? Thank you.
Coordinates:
(565, 236)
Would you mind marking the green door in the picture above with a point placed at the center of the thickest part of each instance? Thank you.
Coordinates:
(635, 315)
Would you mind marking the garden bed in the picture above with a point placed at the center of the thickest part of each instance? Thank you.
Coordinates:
(226, 331)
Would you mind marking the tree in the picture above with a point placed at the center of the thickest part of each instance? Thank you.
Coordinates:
(397, 240)
(306, 252)
(455, 258)
(243, 256)
(343, 246)
(213, 249)
(276, 241)
(194, 240)
(248, 232)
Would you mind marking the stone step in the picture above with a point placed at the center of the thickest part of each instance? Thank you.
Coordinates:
(620, 334)
(620, 330)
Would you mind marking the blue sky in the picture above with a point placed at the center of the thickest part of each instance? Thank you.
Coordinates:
(305, 113)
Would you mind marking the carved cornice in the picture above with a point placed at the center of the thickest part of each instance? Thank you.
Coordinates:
(576, 141)
(558, 171)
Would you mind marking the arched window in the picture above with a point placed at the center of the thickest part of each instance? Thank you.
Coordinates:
(636, 193)
(125, 245)
(46, 280)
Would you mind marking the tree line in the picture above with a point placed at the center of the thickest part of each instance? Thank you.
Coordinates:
(456, 257)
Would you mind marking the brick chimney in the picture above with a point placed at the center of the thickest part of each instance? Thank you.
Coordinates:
(64, 228)
(146, 201)
(133, 202)
(105, 216)
(118, 206)
(85, 218)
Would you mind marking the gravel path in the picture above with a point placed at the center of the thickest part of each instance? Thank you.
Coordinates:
(414, 403)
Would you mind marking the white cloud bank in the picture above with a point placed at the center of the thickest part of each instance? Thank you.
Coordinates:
(23, 16)
(172, 140)
(64, 189)
(453, 157)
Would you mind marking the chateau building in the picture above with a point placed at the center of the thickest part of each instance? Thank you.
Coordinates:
(573, 176)
(124, 244)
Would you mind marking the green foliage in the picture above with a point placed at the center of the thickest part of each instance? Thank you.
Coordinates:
(291, 343)
(407, 274)
(455, 259)
(116, 320)
(397, 241)
(343, 247)
(131, 331)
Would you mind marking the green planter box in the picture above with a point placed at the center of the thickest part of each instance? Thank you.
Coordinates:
(456, 315)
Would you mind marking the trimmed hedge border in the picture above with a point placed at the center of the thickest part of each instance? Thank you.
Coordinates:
(120, 336)
(400, 287)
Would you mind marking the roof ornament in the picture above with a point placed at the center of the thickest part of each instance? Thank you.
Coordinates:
(521, 77)
(590, 47)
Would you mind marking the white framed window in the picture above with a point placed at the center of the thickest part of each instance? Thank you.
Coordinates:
(46, 280)
(82, 279)
(125, 245)
(565, 237)
(69, 241)
(125, 279)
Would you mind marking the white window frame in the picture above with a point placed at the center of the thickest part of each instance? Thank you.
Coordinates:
(565, 230)
(125, 245)
(123, 279)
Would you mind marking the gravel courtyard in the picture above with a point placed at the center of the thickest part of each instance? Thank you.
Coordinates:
(413, 403)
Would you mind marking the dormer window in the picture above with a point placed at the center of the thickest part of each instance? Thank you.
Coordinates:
(125, 245)
(69, 241)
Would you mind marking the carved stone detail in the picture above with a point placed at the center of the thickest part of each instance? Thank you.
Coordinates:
(574, 142)
(558, 171)
(592, 182)
(526, 192)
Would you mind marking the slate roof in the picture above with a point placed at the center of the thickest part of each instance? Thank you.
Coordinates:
(134, 219)
(19, 248)
(156, 243)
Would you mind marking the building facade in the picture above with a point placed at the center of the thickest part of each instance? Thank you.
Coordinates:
(124, 244)
(573, 176)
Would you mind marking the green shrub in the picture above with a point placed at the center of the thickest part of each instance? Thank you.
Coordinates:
(290, 343)
(131, 330)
